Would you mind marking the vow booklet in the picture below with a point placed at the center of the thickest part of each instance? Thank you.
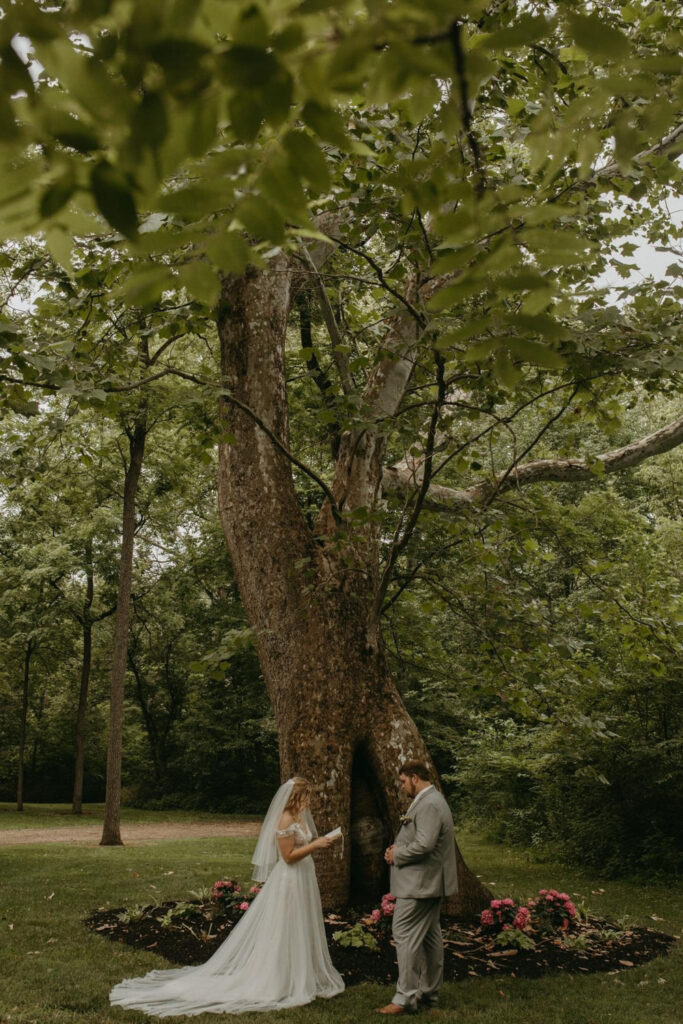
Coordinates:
(333, 834)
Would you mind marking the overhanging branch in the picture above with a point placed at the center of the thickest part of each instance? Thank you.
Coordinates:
(399, 482)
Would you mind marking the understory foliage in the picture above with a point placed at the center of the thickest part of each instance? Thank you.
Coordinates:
(544, 662)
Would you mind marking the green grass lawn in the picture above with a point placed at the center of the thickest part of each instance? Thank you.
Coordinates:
(60, 816)
(53, 971)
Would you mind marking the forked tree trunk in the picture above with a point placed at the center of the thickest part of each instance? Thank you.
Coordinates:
(23, 722)
(111, 832)
(310, 600)
(79, 762)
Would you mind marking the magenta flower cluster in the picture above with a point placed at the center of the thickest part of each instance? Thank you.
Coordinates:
(504, 914)
(230, 893)
(225, 890)
(387, 904)
(381, 916)
(550, 909)
(553, 908)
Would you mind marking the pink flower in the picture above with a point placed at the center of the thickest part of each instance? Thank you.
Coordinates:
(254, 889)
(564, 896)
(496, 903)
(554, 893)
(521, 918)
(542, 892)
(565, 923)
(506, 927)
(486, 917)
(388, 904)
(508, 902)
(244, 906)
(375, 915)
(237, 888)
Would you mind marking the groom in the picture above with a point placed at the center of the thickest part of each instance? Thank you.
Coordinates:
(423, 871)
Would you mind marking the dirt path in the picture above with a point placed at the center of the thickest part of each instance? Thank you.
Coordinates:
(89, 835)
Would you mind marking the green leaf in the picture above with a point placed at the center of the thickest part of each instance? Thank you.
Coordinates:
(13, 72)
(307, 160)
(246, 116)
(202, 281)
(482, 350)
(535, 352)
(526, 29)
(146, 284)
(114, 198)
(456, 293)
(261, 219)
(507, 373)
(70, 131)
(57, 195)
(8, 125)
(595, 36)
(181, 60)
(283, 188)
(203, 123)
(229, 251)
(251, 28)
(325, 122)
(247, 67)
(150, 122)
(59, 245)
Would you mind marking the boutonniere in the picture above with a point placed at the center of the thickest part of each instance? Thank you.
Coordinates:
(404, 820)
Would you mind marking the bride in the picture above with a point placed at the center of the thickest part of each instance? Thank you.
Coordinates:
(276, 955)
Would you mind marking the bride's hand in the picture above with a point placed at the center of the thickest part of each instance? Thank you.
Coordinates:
(321, 843)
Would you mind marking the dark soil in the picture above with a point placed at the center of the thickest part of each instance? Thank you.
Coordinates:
(197, 930)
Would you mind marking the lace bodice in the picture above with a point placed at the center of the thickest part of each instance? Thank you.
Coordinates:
(301, 833)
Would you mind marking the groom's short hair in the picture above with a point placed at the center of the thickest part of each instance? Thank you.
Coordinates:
(418, 768)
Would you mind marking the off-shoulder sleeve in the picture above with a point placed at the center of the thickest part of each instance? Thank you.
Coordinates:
(289, 831)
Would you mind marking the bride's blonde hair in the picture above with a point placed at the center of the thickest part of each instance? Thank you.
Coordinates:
(299, 797)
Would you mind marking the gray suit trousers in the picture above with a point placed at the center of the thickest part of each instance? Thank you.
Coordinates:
(419, 950)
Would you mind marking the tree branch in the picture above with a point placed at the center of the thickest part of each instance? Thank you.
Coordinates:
(339, 356)
(399, 482)
(419, 495)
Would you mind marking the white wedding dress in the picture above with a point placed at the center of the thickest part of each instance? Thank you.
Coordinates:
(276, 956)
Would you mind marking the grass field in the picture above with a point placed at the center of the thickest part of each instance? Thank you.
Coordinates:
(60, 816)
(53, 971)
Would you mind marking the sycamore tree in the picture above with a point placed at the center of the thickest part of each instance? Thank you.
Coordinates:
(424, 196)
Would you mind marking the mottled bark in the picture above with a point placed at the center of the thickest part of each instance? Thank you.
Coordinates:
(310, 596)
(86, 661)
(111, 832)
(23, 722)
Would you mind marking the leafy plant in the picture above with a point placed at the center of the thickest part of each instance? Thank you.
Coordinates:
(357, 936)
(202, 894)
(177, 913)
(514, 938)
(132, 915)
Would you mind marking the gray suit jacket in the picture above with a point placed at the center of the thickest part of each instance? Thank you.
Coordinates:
(424, 859)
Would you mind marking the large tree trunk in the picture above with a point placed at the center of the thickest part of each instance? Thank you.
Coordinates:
(111, 832)
(311, 602)
(77, 803)
(22, 723)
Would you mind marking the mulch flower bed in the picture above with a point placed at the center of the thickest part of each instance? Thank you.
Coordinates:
(190, 932)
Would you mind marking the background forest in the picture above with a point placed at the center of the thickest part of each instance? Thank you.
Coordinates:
(536, 650)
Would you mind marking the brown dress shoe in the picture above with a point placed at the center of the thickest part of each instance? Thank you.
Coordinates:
(393, 1009)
